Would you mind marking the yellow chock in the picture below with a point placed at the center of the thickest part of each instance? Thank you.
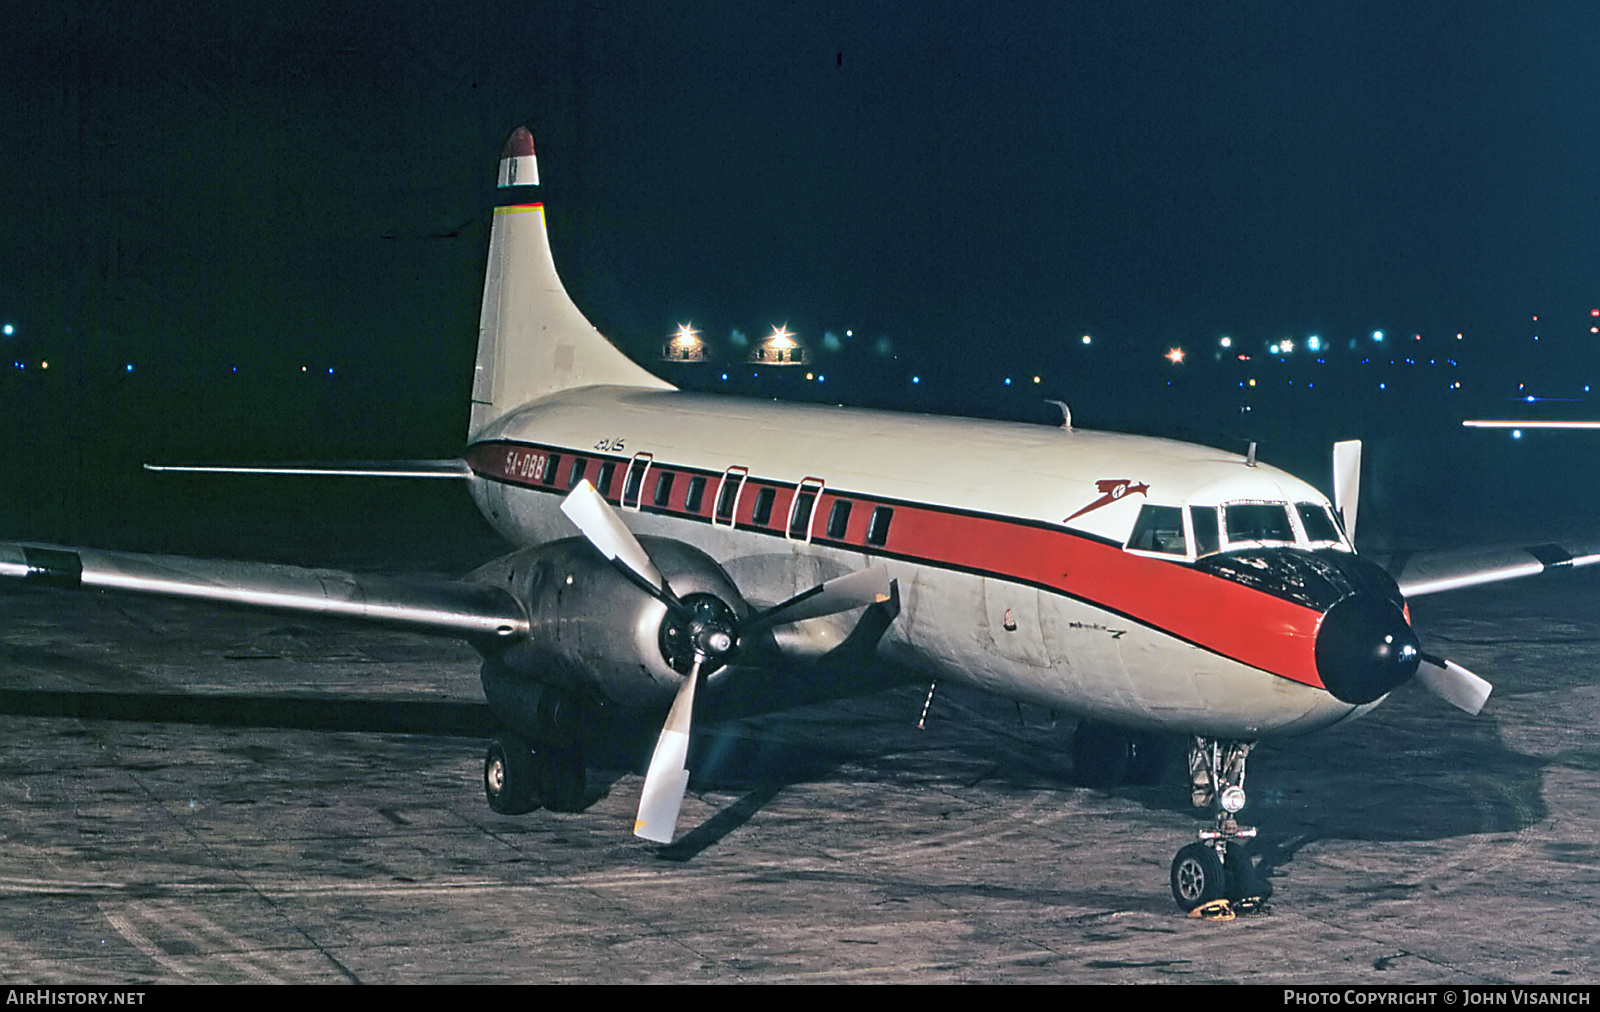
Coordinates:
(1216, 910)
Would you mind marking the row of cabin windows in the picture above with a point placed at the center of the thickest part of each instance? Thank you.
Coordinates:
(1160, 528)
(877, 533)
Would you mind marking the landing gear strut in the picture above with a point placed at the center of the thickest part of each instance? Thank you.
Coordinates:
(1217, 873)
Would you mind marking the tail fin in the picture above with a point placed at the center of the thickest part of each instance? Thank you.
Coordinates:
(532, 340)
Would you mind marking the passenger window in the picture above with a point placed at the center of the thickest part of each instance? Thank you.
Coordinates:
(728, 495)
(579, 465)
(697, 494)
(602, 484)
(552, 464)
(878, 529)
(1318, 524)
(800, 516)
(1207, 538)
(1258, 521)
(762, 514)
(663, 489)
(1159, 529)
(839, 519)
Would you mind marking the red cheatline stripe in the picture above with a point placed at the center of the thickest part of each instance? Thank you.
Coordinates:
(1228, 618)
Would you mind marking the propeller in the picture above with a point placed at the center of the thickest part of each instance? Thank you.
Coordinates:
(1444, 678)
(708, 628)
(1347, 483)
(1453, 683)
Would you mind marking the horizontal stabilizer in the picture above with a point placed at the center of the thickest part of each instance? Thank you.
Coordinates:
(440, 607)
(1420, 573)
(453, 468)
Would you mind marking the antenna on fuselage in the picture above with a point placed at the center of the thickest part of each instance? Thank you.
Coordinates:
(1066, 413)
(1250, 455)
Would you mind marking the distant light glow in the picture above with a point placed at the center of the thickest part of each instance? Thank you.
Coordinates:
(1516, 433)
(1175, 356)
(1377, 335)
(1086, 339)
(1036, 379)
(782, 337)
(128, 367)
(1226, 342)
(9, 329)
(1008, 381)
(1314, 343)
(916, 379)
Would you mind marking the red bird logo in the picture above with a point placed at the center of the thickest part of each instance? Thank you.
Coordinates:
(1111, 490)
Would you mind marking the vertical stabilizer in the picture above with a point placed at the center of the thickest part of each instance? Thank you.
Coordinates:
(532, 339)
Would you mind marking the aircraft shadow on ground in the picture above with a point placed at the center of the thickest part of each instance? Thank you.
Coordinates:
(1405, 773)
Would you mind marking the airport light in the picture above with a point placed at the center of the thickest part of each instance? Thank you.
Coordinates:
(1226, 342)
(1086, 339)
(10, 330)
(1313, 343)
(1377, 335)
(1175, 356)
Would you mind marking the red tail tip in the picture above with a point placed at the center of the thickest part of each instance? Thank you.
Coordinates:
(519, 144)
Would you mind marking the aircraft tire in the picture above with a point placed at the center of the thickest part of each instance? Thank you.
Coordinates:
(510, 777)
(1197, 877)
(1245, 881)
(562, 781)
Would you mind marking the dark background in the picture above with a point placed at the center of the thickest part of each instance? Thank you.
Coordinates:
(207, 209)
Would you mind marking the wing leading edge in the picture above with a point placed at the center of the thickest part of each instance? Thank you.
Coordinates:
(1422, 573)
(440, 607)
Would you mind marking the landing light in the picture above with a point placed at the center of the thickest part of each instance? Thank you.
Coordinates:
(1232, 798)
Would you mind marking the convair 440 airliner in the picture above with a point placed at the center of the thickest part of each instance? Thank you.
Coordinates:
(669, 543)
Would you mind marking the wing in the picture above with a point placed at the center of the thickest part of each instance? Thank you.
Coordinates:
(450, 468)
(1420, 573)
(441, 607)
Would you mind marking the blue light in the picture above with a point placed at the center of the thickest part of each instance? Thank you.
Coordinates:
(128, 367)
(1377, 335)
(1008, 381)
(330, 372)
(724, 377)
(916, 379)
(821, 378)
(1516, 433)
(9, 329)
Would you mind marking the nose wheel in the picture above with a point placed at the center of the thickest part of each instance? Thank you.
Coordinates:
(1216, 876)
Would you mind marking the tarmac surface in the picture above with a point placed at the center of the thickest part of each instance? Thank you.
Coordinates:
(189, 795)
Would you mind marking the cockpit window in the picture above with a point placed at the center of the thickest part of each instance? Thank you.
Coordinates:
(1314, 517)
(1159, 529)
(1258, 521)
(1207, 540)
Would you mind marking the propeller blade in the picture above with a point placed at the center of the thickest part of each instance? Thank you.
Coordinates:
(1347, 483)
(600, 524)
(668, 776)
(1453, 683)
(842, 593)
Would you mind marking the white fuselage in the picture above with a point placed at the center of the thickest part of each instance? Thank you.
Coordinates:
(1010, 543)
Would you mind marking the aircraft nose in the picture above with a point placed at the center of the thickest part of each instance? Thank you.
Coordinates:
(1365, 648)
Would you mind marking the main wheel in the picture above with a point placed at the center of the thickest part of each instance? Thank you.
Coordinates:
(1245, 881)
(509, 777)
(562, 782)
(1197, 877)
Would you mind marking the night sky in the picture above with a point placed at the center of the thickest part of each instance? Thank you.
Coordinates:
(966, 188)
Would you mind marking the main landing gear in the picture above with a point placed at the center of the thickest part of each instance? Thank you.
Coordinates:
(517, 777)
(1216, 876)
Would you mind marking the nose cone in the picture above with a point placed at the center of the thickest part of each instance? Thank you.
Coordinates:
(1365, 648)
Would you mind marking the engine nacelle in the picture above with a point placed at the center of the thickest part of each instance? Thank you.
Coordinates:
(592, 632)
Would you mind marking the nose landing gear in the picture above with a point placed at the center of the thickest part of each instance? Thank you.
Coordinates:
(1216, 877)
